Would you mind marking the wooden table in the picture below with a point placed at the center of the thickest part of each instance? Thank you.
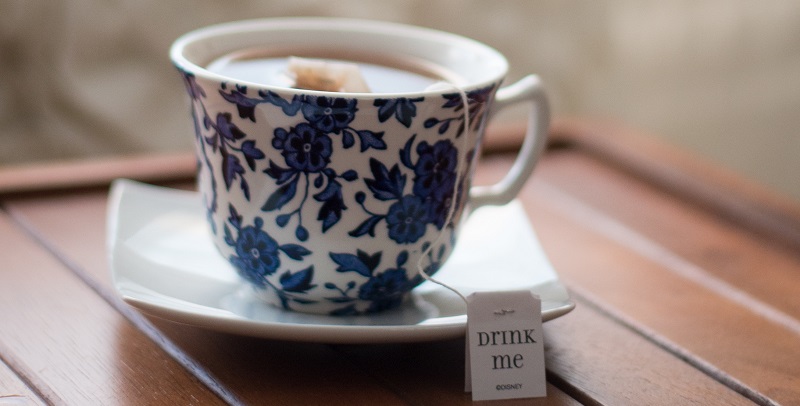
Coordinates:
(686, 279)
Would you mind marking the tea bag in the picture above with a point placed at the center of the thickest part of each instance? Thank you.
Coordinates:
(325, 75)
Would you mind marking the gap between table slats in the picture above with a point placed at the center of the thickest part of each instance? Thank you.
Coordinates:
(763, 211)
(38, 389)
(623, 235)
(135, 318)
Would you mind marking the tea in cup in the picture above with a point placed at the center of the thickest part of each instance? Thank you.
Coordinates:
(336, 200)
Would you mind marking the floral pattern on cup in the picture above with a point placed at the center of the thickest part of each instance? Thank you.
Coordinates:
(432, 192)
(410, 196)
(383, 290)
(306, 149)
(478, 100)
(258, 255)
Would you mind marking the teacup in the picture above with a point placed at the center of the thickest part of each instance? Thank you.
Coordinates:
(336, 203)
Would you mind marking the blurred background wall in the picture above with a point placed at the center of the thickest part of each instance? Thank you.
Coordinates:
(89, 78)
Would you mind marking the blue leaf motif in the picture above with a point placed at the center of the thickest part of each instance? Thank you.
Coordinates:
(251, 153)
(402, 258)
(329, 216)
(207, 123)
(231, 168)
(280, 174)
(298, 282)
(453, 100)
(362, 264)
(290, 108)
(332, 191)
(212, 141)
(402, 108)
(301, 233)
(281, 196)
(228, 236)
(350, 263)
(443, 128)
(244, 105)
(192, 87)
(245, 189)
(406, 110)
(371, 139)
(367, 227)
(350, 175)
(283, 220)
(385, 110)
(371, 261)
(405, 153)
(348, 140)
(226, 128)
(332, 203)
(234, 217)
(386, 185)
(294, 251)
(331, 212)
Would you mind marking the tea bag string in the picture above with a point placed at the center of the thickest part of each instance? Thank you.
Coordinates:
(451, 210)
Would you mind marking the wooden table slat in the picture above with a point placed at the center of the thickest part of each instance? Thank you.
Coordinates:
(429, 373)
(79, 347)
(667, 292)
(50, 221)
(612, 365)
(234, 361)
(690, 234)
(577, 350)
(679, 173)
(685, 276)
(12, 389)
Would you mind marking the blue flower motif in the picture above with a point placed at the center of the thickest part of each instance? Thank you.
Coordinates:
(304, 147)
(384, 290)
(432, 191)
(407, 219)
(328, 114)
(435, 171)
(256, 254)
(438, 210)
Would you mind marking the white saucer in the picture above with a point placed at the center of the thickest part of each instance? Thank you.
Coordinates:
(164, 263)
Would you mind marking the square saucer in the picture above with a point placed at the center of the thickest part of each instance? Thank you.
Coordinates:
(164, 263)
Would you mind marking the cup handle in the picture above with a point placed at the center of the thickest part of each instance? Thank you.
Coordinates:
(528, 89)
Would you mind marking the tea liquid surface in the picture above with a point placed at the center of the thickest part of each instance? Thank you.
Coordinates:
(273, 71)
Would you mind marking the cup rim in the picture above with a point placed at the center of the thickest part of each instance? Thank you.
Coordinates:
(330, 24)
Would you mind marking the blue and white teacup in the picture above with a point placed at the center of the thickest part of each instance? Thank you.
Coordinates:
(331, 202)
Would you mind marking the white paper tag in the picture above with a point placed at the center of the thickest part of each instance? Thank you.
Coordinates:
(505, 346)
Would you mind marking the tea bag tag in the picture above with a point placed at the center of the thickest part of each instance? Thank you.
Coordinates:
(505, 346)
(325, 75)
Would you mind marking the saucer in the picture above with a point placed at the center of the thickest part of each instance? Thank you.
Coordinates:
(164, 263)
